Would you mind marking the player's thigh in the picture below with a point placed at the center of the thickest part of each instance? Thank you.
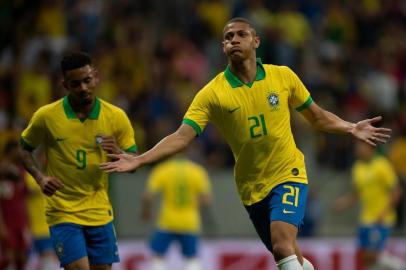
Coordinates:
(80, 264)
(259, 214)
(100, 267)
(189, 244)
(68, 240)
(160, 242)
(101, 245)
(288, 203)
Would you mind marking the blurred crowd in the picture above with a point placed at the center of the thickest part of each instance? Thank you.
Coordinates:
(153, 56)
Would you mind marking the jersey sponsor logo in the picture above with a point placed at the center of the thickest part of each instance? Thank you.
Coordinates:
(273, 100)
(288, 211)
(60, 139)
(233, 110)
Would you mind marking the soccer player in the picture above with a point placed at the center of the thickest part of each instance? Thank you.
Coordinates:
(77, 132)
(184, 186)
(375, 186)
(249, 103)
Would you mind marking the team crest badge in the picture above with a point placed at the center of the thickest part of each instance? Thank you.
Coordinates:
(273, 100)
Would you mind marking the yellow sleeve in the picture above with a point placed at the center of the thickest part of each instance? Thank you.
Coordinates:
(388, 173)
(299, 96)
(199, 112)
(34, 133)
(204, 183)
(154, 183)
(124, 133)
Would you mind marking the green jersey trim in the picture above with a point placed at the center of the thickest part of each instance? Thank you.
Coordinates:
(305, 105)
(70, 113)
(193, 124)
(235, 82)
(132, 149)
(26, 146)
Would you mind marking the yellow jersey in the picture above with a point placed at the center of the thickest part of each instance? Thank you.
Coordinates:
(180, 182)
(36, 208)
(254, 118)
(73, 156)
(374, 181)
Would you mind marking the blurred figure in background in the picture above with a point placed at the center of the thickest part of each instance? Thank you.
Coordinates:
(42, 243)
(184, 186)
(375, 187)
(14, 228)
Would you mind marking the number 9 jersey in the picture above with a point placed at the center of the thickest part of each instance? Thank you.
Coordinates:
(254, 118)
(73, 156)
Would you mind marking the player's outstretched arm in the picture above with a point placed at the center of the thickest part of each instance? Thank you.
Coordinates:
(169, 145)
(362, 130)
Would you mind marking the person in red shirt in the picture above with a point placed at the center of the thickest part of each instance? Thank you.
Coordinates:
(14, 227)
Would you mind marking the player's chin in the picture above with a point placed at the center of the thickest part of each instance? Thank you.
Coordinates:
(236, 56)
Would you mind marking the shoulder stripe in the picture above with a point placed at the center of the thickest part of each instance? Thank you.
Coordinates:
(193, 124)
(132, 149)
(305, 105)
(26, 146)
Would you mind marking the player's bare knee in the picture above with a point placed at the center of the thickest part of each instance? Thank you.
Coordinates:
(282, 250)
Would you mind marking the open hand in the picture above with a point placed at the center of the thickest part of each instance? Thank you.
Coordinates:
(365, 131)
(123, 163)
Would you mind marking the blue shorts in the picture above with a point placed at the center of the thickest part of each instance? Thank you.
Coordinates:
(72, 242)
(42, 245)
(373, 237)
(286, 202)
(161, 240)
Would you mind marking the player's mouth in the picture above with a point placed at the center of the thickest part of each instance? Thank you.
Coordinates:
(235, 50)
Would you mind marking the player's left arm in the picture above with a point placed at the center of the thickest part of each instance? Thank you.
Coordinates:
(110, 145)
(363, 130)
(122, 141)
(388, 175)
(394, 198)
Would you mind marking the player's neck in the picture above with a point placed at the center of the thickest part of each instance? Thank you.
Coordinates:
(245, 70)
(81, 110)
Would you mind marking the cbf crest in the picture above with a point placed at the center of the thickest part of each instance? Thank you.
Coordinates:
(273, 100)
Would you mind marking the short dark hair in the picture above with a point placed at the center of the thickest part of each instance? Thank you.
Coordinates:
(243, 20)
(74, 60)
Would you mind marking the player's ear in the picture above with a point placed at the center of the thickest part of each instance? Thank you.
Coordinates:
(96, 75)
(257, 42)
(64, 83)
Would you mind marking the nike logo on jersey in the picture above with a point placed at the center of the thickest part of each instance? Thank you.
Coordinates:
(233, 110)
(60, 139)
(288, 212)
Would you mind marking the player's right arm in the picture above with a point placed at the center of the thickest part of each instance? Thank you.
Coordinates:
(168, 146)
(32, 137)
(49, 185)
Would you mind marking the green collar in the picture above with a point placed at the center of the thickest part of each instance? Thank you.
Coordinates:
(70, 113)
(235, 82)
